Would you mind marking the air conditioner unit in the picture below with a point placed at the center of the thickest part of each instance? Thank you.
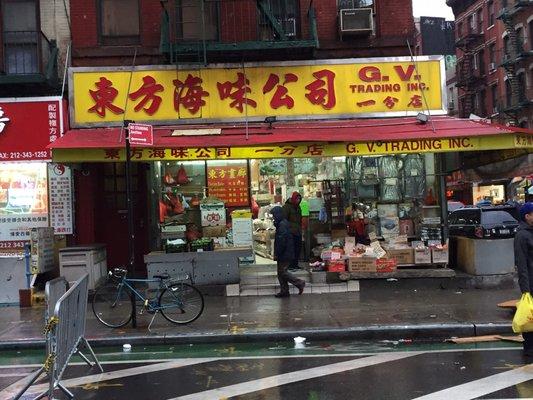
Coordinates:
(356, 21)
(492, 66)
(451, 106)
(289, 26)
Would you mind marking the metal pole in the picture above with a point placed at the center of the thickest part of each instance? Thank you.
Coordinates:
(131, 226)
(441, 174)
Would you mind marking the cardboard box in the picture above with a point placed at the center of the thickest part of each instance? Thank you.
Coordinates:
(362, 264)
(336, 267)
(402, 256)
(440, 256)
(214, 231)
(386, 265)
(213, 216)
(422, 254)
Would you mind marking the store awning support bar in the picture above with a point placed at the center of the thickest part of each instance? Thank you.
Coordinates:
(421, 91)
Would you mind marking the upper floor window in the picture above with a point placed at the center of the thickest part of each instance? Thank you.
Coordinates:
(472, 23)
(355, 4)
(196, 21)
(490, 6)
(479, 18)
(119, 22)
(20, 35)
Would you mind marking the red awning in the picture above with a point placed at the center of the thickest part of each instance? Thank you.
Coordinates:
(354, 130)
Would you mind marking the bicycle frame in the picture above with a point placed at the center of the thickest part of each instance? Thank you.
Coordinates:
(128, 283)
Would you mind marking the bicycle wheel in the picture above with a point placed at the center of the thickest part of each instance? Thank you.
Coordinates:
(112, 304)
(181, 303)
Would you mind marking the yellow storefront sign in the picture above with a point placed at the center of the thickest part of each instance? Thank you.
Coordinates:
(291, 90)
(298, 150)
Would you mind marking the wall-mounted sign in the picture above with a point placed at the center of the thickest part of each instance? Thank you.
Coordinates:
(290, 90)
(228, 181)
(296, 150)
(28, 125)
(60, 186)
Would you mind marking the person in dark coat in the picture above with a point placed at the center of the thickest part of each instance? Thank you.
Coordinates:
(284, 253)
(293, 214)
(523, 252)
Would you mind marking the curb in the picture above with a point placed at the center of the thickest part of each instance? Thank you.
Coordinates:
(375, 332)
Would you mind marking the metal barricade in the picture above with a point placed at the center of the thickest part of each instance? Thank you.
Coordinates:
(65, 330)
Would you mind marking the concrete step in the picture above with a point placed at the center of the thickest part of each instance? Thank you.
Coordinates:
(269, 277)
(271, 289)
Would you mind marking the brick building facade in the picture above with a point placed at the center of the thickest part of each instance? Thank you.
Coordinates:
(494, 63)
(234, 30)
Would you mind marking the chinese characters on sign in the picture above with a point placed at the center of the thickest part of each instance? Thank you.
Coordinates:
(60, 185)
(3, 120)
(235, 92)
(228, 180)
(300, 150)
(28, 126)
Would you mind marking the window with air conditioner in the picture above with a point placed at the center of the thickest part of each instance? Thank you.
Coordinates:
(119, 22)
(356, 17)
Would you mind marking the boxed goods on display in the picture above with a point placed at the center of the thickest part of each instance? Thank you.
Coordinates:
(362, 264)
(440, 253)
(403, 256)
(213, 213)
(390, 227)
(407, 227)
(387, 210)
(214, 231)
(336, 266)
(422, 253)
(385, 265)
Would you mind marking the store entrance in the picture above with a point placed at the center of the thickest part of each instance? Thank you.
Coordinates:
(112, 228)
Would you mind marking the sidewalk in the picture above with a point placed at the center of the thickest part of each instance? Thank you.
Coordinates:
(382, 313)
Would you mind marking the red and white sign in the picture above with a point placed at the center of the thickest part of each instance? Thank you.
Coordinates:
(141, 134)
(28, 126)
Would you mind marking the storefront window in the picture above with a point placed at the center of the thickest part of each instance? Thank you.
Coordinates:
(23, 201)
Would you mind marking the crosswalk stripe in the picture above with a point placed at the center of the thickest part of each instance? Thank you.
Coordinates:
(481, 387)
(296, 376)
(123, 373)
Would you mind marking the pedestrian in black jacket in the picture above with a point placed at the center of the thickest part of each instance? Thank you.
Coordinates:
(284, 253)
(523, 252)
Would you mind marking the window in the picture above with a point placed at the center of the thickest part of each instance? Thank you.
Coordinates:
(481, 62)
(21, 36)
(472, 23)
(189, 20)
(522, 85)
(494, 98)
(520, 39)
(490, 6)
(530, 29)
(460, 30)
(480, 20)
(506, 46)
(508, 93)
(492, 55)
(119, 22)
(482, 103)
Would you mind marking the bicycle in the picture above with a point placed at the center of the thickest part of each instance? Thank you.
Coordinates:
(178, 302)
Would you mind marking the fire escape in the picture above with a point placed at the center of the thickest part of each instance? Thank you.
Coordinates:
(469, 74)
(514, 58)
(204, 31)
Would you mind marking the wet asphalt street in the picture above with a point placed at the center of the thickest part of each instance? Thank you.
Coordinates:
(322, 370)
